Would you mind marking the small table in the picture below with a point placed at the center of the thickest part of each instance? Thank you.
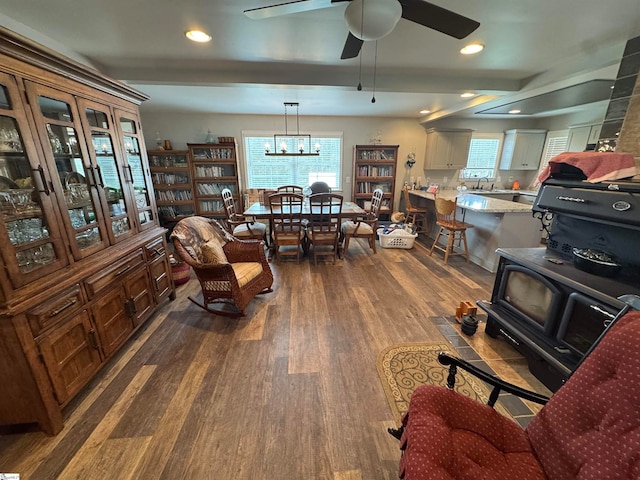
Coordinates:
(262, 212)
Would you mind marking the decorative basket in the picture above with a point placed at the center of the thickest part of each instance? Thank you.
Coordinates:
(181, 272)
(396, 239)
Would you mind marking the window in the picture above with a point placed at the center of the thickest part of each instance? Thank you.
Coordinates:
(555, 144)
(271, 172)
(483, 156)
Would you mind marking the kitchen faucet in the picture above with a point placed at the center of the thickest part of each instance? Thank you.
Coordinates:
(477, 187)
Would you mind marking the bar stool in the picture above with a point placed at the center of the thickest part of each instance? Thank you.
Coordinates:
(449, 226)
(415, 215)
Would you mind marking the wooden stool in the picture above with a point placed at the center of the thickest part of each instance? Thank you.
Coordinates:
(415, 215)
(450, 227)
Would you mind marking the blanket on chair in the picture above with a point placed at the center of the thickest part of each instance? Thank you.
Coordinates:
(596, 166)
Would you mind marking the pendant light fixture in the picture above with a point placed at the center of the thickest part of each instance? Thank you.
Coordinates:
(291, 144)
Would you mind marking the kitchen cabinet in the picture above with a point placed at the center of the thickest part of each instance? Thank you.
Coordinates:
(214, 167)
(447, 149)
(580, 137)
(375, 167)
(83, 258)
(522, 149)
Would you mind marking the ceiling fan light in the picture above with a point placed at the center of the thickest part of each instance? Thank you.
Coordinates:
(377, 20)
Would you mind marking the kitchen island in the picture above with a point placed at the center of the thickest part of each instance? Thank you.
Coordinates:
(498, 222)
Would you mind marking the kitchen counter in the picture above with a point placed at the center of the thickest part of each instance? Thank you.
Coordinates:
(479, 200)
(497, 223)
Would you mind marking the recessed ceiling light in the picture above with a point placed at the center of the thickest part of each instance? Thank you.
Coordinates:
(472, 48)
(198, 36)
(468, 95)
(424, 112)
(515, 110)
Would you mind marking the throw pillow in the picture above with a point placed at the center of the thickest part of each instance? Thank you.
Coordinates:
(213, 253)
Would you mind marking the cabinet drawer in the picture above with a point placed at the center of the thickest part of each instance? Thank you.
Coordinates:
(115, 273)
(55, 309)
(155, 249)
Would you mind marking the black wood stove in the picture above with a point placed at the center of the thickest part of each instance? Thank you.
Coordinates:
(548, 302)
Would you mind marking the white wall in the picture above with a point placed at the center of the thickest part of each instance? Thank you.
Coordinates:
(182, 128)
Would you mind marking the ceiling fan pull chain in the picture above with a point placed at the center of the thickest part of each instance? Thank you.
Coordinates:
(375, 68)
(361, 29)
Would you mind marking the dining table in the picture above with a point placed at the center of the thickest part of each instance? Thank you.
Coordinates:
(261, 211)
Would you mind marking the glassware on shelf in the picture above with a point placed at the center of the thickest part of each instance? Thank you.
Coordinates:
(10, 140)
(56, 144)
(210, 138)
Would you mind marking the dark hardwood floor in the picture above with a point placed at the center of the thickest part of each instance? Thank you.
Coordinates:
(289, 392)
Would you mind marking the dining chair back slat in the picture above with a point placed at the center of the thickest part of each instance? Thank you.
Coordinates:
(287, 224)
(323, 232)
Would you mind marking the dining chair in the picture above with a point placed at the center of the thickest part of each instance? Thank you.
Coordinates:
(289, 189)
(450, 227)
(320, 187)
(240, 226)
(364, 227)
(323, 231)
(287, 227)
(413, 214)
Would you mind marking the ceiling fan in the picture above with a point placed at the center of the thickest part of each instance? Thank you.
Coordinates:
(374, 19)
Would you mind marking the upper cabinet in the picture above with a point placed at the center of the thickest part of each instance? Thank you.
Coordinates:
(522, 149)
(447, 149)
(29, 231)
(582, 136)
(139, 176)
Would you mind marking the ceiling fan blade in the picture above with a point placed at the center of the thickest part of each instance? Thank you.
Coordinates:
(351, 47)
(288, 8)
(438, 18)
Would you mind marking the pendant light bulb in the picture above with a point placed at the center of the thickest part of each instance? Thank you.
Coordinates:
(359, 86)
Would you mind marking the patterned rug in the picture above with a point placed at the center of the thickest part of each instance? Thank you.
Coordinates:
(404, 367)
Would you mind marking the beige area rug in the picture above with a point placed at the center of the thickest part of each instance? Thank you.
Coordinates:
(404, 367)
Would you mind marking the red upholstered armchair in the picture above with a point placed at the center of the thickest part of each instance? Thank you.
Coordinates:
(589, 429)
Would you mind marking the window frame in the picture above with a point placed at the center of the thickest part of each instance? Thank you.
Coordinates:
(337, 135)
(484, 136)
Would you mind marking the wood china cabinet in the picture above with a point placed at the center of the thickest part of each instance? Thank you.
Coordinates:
(84, 258)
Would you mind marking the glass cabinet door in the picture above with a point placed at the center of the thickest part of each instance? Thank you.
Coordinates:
(31, 242)
(110, 176)
(60, 129)
(138, 168)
